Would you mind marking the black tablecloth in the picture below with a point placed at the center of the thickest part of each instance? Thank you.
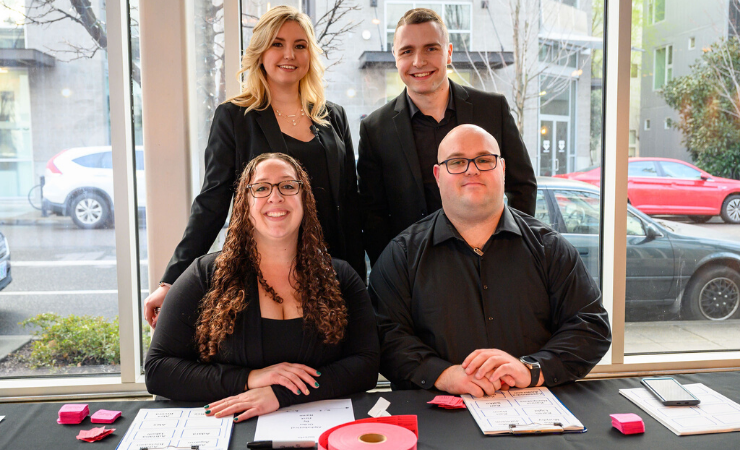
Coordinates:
(33, 426)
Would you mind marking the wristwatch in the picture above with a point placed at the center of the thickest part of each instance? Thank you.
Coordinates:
(534, 369)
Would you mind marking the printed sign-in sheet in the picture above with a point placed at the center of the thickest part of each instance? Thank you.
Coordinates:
(177, 427)
(522, 408)
(715, 414)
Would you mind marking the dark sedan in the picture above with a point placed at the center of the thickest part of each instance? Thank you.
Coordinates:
(5, 277)
(668, 263)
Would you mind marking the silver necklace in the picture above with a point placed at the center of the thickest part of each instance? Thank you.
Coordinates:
(292, 117)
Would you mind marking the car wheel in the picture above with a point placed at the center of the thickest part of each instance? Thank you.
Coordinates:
(713, 294)
(89, 210)
(700, 219)
(731, 209)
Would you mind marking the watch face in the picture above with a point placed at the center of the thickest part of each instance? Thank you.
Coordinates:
(529, 362)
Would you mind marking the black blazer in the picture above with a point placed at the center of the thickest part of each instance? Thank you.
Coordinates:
(174, 370)
(235, 140)
(390, 183)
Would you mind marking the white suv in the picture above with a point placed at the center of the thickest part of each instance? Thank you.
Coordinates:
(79, 184)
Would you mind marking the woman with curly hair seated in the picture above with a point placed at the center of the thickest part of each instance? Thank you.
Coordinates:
(271, 320)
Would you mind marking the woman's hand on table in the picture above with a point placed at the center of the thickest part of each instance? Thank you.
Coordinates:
(252, 403)
(296, 377)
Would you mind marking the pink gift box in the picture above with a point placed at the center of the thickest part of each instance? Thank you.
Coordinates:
(628, 423)
(105, 416)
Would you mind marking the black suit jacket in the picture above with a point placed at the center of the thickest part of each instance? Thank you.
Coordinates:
(235, 140)
(391, 187)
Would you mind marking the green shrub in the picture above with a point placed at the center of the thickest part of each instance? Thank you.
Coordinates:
(73, 340)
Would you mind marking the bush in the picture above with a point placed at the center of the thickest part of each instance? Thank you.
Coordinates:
(73, 340)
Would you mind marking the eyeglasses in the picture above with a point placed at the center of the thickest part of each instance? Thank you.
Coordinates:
(287, 187)
(460, 165)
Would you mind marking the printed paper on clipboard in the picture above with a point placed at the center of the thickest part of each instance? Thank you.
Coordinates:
(522, 411)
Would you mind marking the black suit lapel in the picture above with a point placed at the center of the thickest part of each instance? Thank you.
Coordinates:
(270, 128)
(405, 136)
(463, 106)
(335, 152)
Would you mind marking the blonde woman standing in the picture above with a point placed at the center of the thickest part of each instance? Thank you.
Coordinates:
(282, 108)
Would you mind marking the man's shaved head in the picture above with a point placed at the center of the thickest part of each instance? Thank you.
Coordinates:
(462, 134)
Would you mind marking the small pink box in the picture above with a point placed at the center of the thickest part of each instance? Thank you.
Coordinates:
(628, 423)
(105, 416)
(72, 413)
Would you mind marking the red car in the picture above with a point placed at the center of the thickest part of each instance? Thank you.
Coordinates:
(663, 186)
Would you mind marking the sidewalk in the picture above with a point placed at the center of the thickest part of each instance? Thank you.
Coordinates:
(681, 336)
(9, 344)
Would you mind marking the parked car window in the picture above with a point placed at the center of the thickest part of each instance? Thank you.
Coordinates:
(139, 160)
(634, 226)
(106, 160)
(541, 213)
(580, 211)
(642, 169)
(678, 170)
(92, 160)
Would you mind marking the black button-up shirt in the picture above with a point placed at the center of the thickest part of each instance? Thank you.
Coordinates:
(428, 133)
(528, 294)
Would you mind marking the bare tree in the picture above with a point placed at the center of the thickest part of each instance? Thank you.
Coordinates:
(332, 27)
(48, 12)
(544, 61)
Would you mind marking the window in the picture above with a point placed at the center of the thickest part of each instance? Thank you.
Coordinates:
(642, 169)
(580, 211)
(667, 123)
(655, 11)
(678, 170)
(634, 70)
(647, 124)
(634, 226)
(559, 54)
(663, 67)
(692, 43)
(633, 143)
(457, 16)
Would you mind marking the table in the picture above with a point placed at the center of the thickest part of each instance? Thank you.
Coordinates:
(33, 426)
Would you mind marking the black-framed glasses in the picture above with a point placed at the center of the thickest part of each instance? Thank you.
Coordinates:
(457, 166)
(287, 187)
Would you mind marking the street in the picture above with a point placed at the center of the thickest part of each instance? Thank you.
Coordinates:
(60, 268)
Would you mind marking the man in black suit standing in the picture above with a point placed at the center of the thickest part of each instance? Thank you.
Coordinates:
(399, 141)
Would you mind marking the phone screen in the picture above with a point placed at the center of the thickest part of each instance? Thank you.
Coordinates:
(671, 391)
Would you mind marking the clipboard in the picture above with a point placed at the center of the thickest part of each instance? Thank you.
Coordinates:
(522, 412)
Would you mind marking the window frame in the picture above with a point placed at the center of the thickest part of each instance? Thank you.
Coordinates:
(668, 66)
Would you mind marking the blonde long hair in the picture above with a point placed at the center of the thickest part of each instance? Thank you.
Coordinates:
(255, 92)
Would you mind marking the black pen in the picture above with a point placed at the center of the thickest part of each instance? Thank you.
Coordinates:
(282, 444)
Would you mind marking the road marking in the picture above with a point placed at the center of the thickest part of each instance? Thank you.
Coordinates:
(88, 292)
(101, 262)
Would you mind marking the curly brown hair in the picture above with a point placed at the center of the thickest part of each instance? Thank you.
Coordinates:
(316, 282)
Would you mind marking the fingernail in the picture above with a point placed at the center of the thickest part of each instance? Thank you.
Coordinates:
(208, 411)
(306, 392)
(236, 419)
(206, 407)
(318, 373)
(297, 392)
(316, 384)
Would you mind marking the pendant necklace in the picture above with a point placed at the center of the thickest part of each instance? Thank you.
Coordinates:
(292, 117)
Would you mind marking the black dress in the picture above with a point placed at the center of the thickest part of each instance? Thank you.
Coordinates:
(173, 369)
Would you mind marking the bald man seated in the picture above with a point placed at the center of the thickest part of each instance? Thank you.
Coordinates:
(478, 296)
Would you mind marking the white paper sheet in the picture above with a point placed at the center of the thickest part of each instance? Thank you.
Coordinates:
(715, 414)
(530, 410)
(177, 427)
(303, 422)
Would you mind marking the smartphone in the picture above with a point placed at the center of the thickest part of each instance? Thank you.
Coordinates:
(670, 392)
